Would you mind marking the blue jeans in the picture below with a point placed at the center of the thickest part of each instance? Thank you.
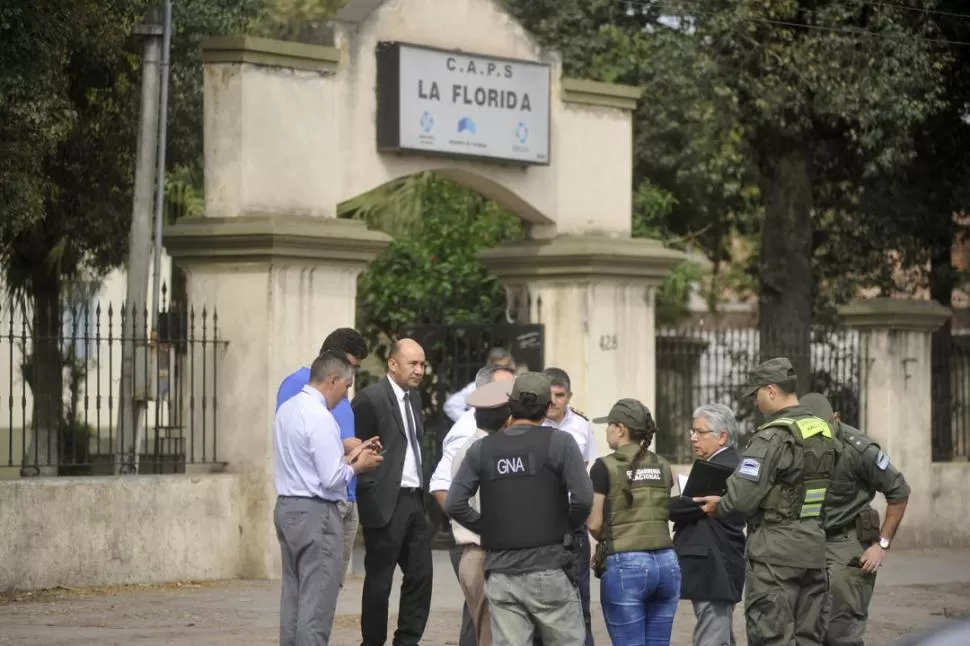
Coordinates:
(639, 592)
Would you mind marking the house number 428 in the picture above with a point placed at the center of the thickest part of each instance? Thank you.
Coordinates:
(607, 342)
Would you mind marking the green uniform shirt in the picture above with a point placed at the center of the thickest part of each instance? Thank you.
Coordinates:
(862, 470)
(798, 543)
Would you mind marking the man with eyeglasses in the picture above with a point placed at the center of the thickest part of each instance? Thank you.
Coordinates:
(348, 342)
(711, 550)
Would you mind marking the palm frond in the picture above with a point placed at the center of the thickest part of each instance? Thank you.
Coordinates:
(395, 208)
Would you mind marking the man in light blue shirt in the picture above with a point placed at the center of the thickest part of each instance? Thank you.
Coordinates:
(311, 474)
(348, 342)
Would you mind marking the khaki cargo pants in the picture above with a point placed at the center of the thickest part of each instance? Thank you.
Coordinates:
(850, 589)
(784, 605)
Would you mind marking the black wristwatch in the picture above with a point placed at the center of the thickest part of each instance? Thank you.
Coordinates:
(884, 542)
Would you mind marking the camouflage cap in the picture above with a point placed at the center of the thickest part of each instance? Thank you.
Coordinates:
(491, 395)
(819, 405)
(532, 383)
(629, 412)
(770, 372)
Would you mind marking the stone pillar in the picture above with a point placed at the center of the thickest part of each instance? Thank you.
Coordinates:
(269, 257)
(895, 391)
(595, 297)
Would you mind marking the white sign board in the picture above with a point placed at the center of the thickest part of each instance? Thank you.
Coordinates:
(452, 103)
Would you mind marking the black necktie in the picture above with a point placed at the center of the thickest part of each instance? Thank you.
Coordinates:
(412, 435)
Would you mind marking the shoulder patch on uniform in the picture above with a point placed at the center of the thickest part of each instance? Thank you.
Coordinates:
(882, 460)
(580, 413)
(750, 468)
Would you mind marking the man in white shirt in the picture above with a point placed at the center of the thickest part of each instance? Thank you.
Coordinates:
(311, 477)
(440, 482)
(455, 405)
(390, 501)
(565, 418)
(490, 404)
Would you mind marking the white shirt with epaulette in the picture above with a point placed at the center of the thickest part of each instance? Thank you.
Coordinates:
(577, 425)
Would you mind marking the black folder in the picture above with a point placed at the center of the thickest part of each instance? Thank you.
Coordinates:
(706, 479)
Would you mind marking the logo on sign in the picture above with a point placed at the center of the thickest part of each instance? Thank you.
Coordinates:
(427, 122)
(466, 124)
(521, 132)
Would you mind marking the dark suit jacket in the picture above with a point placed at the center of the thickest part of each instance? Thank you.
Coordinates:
(711, 550)
(376, 412)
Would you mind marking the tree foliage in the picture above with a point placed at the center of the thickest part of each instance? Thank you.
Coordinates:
(763, 117)
(70, 82)
(70, 79)
(430, 273)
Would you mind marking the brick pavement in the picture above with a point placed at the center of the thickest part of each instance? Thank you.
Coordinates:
(915, 590)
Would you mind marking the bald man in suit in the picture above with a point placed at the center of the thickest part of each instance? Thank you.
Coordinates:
(390, 501)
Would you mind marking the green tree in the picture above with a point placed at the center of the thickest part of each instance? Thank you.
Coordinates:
(69, 89)
(430, 273)
(770, 108)
(822, 88)
(299, 20)
(922, 205)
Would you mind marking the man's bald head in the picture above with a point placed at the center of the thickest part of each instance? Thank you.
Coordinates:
(405, 346)
(406, 363)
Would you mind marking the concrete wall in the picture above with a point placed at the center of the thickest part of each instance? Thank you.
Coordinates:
(113, 531)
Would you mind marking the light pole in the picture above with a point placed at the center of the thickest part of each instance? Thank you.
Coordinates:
(132, 343)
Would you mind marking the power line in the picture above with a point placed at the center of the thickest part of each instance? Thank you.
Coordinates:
(937, 12)
(850, 31)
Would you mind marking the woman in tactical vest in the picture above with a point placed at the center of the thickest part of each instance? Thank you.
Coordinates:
(635, 560)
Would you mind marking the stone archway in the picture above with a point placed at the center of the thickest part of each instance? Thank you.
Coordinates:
(293, 130)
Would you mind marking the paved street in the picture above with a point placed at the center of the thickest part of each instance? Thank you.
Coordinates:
(915, 590)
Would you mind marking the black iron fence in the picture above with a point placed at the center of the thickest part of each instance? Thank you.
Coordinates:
(950, 395)
(64, 411)
(699, 366)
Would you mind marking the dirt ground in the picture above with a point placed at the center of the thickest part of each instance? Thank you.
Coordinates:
(915, 590)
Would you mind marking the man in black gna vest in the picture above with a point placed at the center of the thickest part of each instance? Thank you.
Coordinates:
(534, 493)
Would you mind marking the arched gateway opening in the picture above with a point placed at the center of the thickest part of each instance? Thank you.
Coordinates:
(454, 87)
(430, 285)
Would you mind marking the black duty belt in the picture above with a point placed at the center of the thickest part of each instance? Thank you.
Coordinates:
(837, 531)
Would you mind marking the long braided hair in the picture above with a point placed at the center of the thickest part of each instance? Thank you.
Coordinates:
(643, 437)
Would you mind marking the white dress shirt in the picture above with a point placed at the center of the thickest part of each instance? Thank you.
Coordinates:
(463, 535)
(410, 476)
(581, 430)
(455, 405)
(308, 454)
(463, 429)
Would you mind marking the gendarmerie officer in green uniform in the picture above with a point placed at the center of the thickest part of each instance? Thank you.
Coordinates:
(855, 544)
(779, 488)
